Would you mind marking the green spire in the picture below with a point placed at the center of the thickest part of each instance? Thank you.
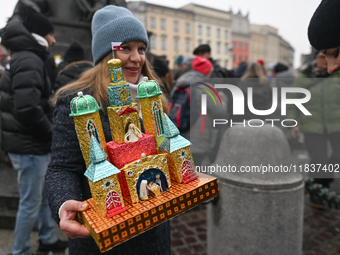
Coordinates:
(173, 141)
(99, 168)
(148, 89)
(170, 130)
(81, 105)
(97, 154)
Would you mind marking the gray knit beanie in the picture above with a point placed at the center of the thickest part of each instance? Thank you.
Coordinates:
(114, 24)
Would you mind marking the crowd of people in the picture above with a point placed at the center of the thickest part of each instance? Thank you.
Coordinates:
(44, 149)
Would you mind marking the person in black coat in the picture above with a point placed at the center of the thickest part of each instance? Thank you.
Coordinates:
(75, 65)
(26, 125)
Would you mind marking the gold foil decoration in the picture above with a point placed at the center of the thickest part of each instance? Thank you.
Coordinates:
(83, 135)
(119, 124)
(99, 193)
(146, 105)
(135, 169)
(175, 161)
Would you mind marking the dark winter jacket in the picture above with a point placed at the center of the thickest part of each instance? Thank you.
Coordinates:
(25, 90)
(71, 72)
(65, 180)
(220, 72)
(262, 98)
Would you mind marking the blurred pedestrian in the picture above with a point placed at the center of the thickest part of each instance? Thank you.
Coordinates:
(323, 32)
(199, 135)
(178, 71)
(164, 73)
(204, 51)
(75, 65)
(262, 94)
(283, 77)
(241, 69)
(323, 125)
(27, 126)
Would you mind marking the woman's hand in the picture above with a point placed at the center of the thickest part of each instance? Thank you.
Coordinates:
(68, 224)
(295, 132)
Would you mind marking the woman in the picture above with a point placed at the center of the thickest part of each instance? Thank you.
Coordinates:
(66, 184)
(323, 32)
(254, 78)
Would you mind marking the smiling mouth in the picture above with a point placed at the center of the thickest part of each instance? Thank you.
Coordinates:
(132, 68)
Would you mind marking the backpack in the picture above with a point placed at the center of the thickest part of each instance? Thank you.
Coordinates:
(179, 108)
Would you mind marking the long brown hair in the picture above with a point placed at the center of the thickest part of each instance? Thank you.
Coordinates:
(254, 70)
(97, 79)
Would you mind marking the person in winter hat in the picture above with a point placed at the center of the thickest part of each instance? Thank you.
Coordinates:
(204, 51)
(202, 65)
(323, 32)
(66, 185)
(26, 126)
(200, 134)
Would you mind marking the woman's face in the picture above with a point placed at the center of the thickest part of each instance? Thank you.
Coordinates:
(333, 59)
(132, 56)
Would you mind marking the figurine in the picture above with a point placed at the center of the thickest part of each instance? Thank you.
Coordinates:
(133, 134)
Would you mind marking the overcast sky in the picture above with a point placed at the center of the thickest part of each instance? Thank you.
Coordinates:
(290, 17)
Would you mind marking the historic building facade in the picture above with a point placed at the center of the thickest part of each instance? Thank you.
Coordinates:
(213, 27)
(171, 30)
(268, 45)
(240, 38)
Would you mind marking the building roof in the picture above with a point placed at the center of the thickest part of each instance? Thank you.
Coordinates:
(148, 88)
(170, 130)
(83, 104)
(99, 168)
(173, 141)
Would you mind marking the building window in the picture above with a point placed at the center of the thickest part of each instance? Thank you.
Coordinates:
(176, 26)
(246, 58)
(234, 45)
(239, 58)
(218, 33)
(225, 63)
(225, 34)
(163, 24)
(199, 30)
(240, 45)
(208, 42)
(152, 22)
(226, 49)
(246, 46)
(176, 43)
(234, 58)
(199, 41)
(187, 28)
(208, 31)
(218, 48)
(163, 42)
(187, 45)
(153, 42)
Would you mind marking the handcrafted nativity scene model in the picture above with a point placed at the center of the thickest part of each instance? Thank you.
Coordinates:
(134, 166)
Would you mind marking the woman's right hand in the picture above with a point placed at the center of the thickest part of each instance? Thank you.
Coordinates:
(295, 132)
(68, 223)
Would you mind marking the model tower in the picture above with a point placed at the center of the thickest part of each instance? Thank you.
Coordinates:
(122, 111)
(149, 95)
(103, 181)
(181, 164)
(85, 113)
